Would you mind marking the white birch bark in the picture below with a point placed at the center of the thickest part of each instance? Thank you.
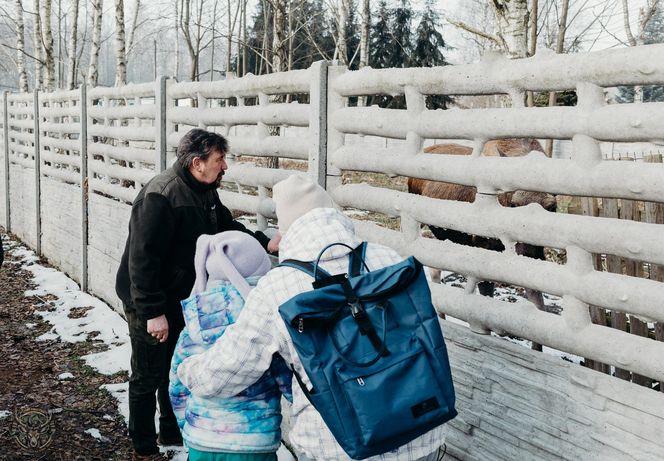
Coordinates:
(93, 68)
(364, 33)
(37, 39)
(47, 40)
(20, 48)
(120, 45)
(73, 36)
(342, 19)
(512, 22)
(278, 42)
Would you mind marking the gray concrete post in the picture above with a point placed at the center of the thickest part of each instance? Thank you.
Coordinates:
(318, 122)
(5, 137)
(37, 135)
(83, 138)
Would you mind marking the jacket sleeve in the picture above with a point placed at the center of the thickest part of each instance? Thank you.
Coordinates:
(177, 392)
(228, 223)
(151, 235)
(239, 357)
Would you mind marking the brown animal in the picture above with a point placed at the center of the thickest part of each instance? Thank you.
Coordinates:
(450, 191)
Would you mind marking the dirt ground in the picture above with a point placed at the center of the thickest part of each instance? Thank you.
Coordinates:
(43, 417)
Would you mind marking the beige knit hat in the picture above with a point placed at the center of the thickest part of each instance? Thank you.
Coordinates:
(296, 196)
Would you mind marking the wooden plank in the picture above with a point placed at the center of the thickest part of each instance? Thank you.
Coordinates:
(654, 213)
(614, 265)
(630, 210)
(590, 207)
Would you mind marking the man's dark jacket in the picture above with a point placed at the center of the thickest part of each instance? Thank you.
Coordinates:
(167, 217)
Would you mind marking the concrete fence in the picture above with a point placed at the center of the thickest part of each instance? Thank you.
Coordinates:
(74, 160)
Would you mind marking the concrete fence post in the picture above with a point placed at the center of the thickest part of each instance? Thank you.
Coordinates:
(83, 138)
(335, 139)
(318, 122)
(37, 135)
(5, 137)
(161, 141)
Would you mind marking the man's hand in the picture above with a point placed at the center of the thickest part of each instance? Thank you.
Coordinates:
(158, 327)
(273, 244)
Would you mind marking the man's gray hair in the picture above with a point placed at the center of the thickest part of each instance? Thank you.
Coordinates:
(199, 143)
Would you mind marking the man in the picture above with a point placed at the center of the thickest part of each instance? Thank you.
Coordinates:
(157, 271)
(308, 222)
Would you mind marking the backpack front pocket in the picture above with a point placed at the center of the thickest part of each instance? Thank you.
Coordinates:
(383, 408)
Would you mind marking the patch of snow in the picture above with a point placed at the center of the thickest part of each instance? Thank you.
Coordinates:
(4, 413)
(65, 376)
(108, 417)
(114, 360)
(30, 325)
(96, 434)
(120, 392)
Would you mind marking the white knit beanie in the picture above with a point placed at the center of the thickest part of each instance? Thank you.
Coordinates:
(296, 196)
(230, 255)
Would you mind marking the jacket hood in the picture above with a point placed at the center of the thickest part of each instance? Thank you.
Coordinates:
(313, 231)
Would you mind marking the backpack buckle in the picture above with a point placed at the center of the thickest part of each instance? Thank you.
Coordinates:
(356, 310)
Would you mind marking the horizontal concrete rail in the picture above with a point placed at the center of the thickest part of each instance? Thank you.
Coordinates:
(296, 81)
(496, 75)
(617, 122)
(631, 180)
(529, 224)
(273, 114)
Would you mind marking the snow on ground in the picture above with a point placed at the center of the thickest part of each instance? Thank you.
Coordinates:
(99, 321)
(5, 413)
(63, 376)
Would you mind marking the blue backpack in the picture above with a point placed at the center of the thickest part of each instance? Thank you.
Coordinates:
(372, 347)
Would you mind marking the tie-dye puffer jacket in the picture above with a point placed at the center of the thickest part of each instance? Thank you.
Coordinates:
(250, 421)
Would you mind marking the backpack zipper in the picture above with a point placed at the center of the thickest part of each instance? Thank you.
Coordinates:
(300, 325)
(360, 381)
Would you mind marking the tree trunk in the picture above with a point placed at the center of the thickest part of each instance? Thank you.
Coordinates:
(20, 48)
(120, 45)
(71, 66)
(560, 43)
(47, 40)
(278, 42)
(93, 67)
(512, 21)
(132, 31)
(341, 33)
(364, 33)
(532, 41)
(177, 42)
(37, 40)
(244, 38)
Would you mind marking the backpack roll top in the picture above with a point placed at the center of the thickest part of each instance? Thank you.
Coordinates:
(372, 347)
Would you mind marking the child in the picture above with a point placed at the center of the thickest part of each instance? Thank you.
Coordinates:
(245, 427)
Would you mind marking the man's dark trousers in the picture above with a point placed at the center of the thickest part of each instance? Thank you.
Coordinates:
(150, 365)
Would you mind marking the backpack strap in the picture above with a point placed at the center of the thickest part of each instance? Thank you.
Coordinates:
(304, 266)
(356, 260)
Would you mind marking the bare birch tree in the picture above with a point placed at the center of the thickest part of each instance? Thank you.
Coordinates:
(341, 52)
(47, 42)
(512, 22)
(20, 48)
(93, 66)
(120, 45)
(364, 33)
(73, 37)
(37, 42)
(232, 23)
